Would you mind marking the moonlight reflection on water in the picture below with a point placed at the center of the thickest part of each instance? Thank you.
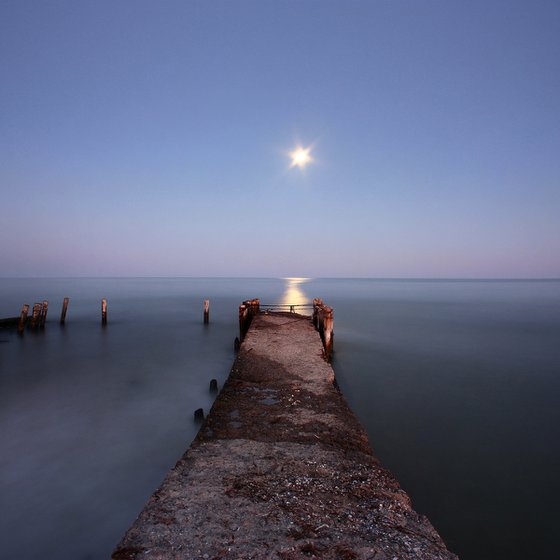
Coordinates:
(293, 294)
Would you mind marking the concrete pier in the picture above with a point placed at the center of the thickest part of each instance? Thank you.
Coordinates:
(281, 469)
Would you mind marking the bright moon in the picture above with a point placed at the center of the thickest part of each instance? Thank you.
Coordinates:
(300, 157)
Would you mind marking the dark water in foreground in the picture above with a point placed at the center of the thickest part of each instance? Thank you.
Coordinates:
(457, 384)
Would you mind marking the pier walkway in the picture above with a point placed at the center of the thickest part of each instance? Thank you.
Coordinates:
(280, 469)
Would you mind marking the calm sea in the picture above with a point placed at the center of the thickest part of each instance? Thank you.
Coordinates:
(456, 382)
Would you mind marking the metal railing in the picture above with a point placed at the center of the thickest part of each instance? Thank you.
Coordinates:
(322, 318)
(287, 307)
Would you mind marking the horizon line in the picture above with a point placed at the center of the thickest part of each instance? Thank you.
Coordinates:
(307, 278)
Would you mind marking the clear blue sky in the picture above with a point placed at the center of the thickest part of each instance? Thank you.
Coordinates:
(152, 137)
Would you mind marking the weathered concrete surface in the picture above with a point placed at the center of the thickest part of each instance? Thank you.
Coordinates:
(280, 469)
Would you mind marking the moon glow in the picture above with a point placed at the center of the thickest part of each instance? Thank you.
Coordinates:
(300, 157)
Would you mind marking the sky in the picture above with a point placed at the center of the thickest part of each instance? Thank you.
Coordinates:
(152, 138)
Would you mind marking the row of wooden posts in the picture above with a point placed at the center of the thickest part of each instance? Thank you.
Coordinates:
(39, 315)
(322, 318)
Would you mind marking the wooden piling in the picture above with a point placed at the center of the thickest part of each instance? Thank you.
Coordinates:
(328, 331)
(23, 318)
(243, 314)
(247, 310)
(35, 315)
(213, 385)
(43, 316)
(199, 415)
(103, 311)
(64, 309)
(323, 321)
(254, 306)
(317, 303)
(206, 311)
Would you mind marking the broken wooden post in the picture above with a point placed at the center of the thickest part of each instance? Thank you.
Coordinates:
(243, 313)
(321, 321)
(64, 309)
(35, 315)
(206, 311)
(103, 311)
(328, 331)
(247, 310)
(255, 306)
(213, 385)
(23, 318)
(316, 304)
(199, 415)
(43, 316)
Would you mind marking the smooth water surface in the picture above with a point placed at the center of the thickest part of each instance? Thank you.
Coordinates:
(456, 382)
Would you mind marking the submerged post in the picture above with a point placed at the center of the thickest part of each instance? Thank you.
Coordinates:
(103, 311)
(23, 318)
(64, 309)
(206, 311)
